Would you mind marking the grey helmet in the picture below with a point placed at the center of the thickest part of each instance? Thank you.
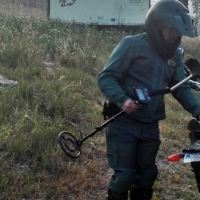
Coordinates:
(173, 15)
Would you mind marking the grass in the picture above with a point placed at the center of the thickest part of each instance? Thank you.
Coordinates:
(32, 114)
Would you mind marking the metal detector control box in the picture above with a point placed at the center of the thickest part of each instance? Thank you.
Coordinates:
(142, 95)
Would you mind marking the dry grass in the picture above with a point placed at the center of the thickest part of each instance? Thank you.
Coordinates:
(191, 47)
(17, 8)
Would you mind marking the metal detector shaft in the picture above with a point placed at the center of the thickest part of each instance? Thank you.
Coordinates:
(99, 128)
(169, 90)
(181, 83)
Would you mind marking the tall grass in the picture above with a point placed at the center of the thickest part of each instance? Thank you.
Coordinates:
(32, 114)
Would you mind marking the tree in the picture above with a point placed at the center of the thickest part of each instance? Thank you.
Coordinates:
(196, 10)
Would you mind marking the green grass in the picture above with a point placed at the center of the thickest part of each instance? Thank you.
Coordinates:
(33, 113)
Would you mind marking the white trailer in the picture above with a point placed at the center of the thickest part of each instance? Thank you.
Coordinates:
(100, 12)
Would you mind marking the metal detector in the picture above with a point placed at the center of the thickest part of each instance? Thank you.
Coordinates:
(72, 146)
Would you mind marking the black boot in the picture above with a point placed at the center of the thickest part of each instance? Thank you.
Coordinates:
(140, 194)
(112, 195)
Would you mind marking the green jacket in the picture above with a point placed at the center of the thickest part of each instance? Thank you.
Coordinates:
(134, 62)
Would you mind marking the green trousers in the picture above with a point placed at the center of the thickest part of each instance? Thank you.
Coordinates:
(132, 148)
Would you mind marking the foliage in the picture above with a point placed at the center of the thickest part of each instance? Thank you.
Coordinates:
(196, 9)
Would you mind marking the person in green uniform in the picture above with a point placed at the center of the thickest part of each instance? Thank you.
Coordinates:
(154, 61)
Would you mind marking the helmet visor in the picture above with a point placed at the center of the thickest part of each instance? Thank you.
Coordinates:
(181, 23)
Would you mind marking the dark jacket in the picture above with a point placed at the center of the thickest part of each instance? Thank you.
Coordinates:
(134, 62)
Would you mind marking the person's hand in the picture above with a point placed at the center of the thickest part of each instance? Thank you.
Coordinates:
(129, 106)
